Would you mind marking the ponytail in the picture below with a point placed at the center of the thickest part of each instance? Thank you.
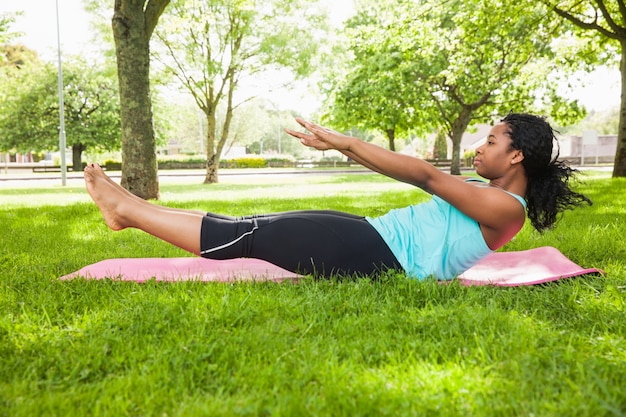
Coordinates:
(548, 194)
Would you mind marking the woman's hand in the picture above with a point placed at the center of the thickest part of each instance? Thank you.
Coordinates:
(320, 137)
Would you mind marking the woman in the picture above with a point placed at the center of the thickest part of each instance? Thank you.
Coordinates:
(464, 221)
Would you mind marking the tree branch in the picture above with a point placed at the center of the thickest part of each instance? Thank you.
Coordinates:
(153, 11)
(622, 8)
(584, 25)
(607, 15)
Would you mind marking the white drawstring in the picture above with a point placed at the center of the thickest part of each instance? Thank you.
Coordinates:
(225, 245)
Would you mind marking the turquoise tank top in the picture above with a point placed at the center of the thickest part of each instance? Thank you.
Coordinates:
(433, 238)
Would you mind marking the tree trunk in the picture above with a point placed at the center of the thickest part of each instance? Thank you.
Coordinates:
(132, 29)
(211, 176)
(212, 165)
(459, 126)
(619, 167)
(391, 137)
(77, 153)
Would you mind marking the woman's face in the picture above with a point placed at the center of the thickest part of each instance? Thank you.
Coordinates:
(496, 155)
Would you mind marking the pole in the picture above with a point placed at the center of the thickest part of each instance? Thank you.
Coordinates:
(582, 152)
(201, 130)
(278, 127)
(278, 136)
(61, 106)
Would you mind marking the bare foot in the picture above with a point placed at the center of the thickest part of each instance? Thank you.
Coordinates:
(99, 171)
(110, 198)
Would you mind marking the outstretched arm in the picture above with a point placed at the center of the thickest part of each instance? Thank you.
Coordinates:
(500, 215)
(397, 166)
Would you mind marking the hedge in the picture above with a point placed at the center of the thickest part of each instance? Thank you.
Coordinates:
(197, 163)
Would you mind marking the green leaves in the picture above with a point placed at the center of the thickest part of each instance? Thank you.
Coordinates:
(29, 116)
(426, 65)
(211, 46)
(6, 20)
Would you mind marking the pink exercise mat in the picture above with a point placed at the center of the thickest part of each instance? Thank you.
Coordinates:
(183, 269)
(529, 267)
(533, 266)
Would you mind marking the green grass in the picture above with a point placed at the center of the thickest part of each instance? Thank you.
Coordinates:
(343, 348)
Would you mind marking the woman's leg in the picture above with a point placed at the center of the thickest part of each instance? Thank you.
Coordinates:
(141, 199)
(322, 243)
(310, 242)
(121, 209)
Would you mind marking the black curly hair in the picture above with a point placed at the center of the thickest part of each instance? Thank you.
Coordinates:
(548, 192)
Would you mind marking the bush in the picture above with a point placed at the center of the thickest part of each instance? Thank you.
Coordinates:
(38, 156)
(281, 162)
(112, 165)
(199, 162)
(245, 162)
(468, 158)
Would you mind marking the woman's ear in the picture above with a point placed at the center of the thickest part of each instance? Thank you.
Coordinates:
(518, 156)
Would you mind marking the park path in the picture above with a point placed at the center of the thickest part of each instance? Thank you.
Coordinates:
(17, 179)
(27, 179)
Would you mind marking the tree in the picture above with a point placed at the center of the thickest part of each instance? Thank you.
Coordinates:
(371, 99)
(12, 59)
(373, 95)
(6, 20)
(15, 56)
(209, 46)
(133, 23)
(29, 116)
(258, 125)
(463, 62)
(605, 122)
(440, 147)
(12, 55)
(607, 19)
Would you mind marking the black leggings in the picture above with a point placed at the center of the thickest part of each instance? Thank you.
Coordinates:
(321, 243)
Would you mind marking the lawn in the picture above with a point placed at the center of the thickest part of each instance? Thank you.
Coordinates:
(392, 347)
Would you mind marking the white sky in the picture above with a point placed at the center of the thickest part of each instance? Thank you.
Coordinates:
(39, 26)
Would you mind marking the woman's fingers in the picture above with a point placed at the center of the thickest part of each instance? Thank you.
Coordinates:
(300, 135)
(310, 126)
(292, 133)
(320, 137)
